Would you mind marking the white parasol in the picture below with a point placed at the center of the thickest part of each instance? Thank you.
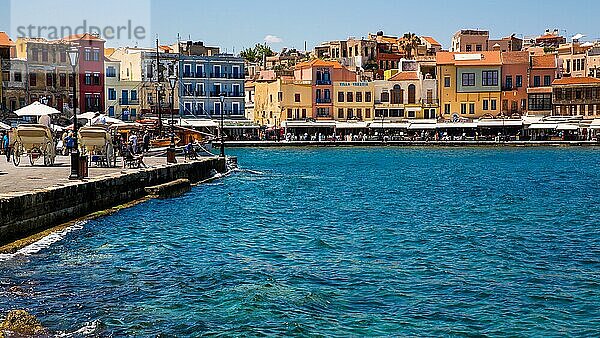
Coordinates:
(36, 109)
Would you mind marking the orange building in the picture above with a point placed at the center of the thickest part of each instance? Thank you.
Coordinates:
(515, 67)
(321, 75)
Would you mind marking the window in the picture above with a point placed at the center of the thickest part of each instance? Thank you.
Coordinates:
(568, 66)
(468, 79)
(48, 79)
(134, 95)
(349, 97)
(494, 104)
(385, 97)
(63, 79)
(463, 108)
(340, 96)
(340, 113)
(18, 77)
(87, 56)
(368, 113)
(478, 48)
(447, 108)
(368, 97)
(508, 82)
(471, 108)
(304, 113)
(34, 54)
(45, 55)
(540, 102)
(486, 104)
(32, 79)
(296, 97)
(547, 80)
(519, 81)
(359, 97)
(279, 96)
(96, 79)
(289, 113)
(112, 94)
(411, 114)
(359, 113)
(88, 79)
(536, 81)
(468, 48)
(397, 95)
(490, 77)
(63, 57)
(96, 55)
(447, 81)
(350, 113)
(111, 72)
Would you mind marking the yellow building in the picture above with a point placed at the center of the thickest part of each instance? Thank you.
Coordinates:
(469, 84)
(275, 101)
(353, 101)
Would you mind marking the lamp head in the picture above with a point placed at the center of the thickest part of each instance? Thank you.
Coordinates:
(73, 56)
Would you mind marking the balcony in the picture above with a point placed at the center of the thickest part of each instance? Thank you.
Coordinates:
(193, 93)
(227, 76)
(323, 101)
(132, 102)
(227, 112)
(199, 75)
(323, 82)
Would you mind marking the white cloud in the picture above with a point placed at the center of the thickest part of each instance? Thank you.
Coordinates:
(273, 39)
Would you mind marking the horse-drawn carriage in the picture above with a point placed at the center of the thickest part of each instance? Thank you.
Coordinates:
(35, 141)
(97, 143)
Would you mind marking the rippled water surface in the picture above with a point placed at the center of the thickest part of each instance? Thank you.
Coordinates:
(339, 242)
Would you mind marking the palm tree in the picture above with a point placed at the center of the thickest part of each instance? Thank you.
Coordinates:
(409, 43)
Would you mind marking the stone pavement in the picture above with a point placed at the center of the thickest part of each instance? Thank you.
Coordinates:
(27, 178)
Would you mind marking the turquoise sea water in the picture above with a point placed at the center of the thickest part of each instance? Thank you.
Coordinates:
(339, 242)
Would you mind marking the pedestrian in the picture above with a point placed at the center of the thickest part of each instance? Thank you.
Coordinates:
(133, 139)
(6, 146)
(146, 141)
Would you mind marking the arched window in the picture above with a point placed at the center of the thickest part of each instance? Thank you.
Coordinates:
(412, 91)
(397, 95)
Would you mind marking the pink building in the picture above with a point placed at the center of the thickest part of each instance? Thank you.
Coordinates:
(322, 74)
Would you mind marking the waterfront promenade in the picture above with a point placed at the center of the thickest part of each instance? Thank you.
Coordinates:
(28, 178)
(468, 143)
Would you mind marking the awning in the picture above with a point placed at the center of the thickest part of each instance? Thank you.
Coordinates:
(350, 125)
(379, 125)
(543, 126)
(595, 124)
(198, 123)
(456, 125)
(308, 124)
(499, 123)
(240, 126)
(422, 126)
(564, 126)
(4, 126)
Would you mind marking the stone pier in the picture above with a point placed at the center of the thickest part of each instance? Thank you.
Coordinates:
(23, 213)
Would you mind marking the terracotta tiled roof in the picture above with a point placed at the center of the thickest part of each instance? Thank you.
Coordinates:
(469, 59)
(5, 40)
(547, 61)
(405, 76)
(576, 81)
(318, 63)
(431, 40)
(515, 58)
(548, 37)
(166, 49)
(86, 36)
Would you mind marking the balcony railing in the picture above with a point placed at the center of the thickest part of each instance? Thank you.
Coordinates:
(323, 83)
(194, 93)
(227, 94)
(227, 76)
(323, 100)
(123, 101)
(227, 112)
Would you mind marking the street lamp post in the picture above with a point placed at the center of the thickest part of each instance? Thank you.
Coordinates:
(171, 150)
(222, 99)
(158, 103)
(73, 59)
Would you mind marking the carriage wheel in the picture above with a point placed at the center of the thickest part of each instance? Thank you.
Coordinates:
(17, 153)
(32, 155)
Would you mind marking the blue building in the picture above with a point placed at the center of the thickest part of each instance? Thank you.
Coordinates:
(204, 79)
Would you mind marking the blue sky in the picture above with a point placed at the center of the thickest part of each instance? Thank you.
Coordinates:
(238, 23)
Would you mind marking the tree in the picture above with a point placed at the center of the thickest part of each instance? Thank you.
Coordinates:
(409, 43)
(257, 53)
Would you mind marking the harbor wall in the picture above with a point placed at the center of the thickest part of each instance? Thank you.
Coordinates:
(23, 214)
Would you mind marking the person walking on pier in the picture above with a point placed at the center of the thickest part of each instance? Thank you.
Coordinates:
(6, 146)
